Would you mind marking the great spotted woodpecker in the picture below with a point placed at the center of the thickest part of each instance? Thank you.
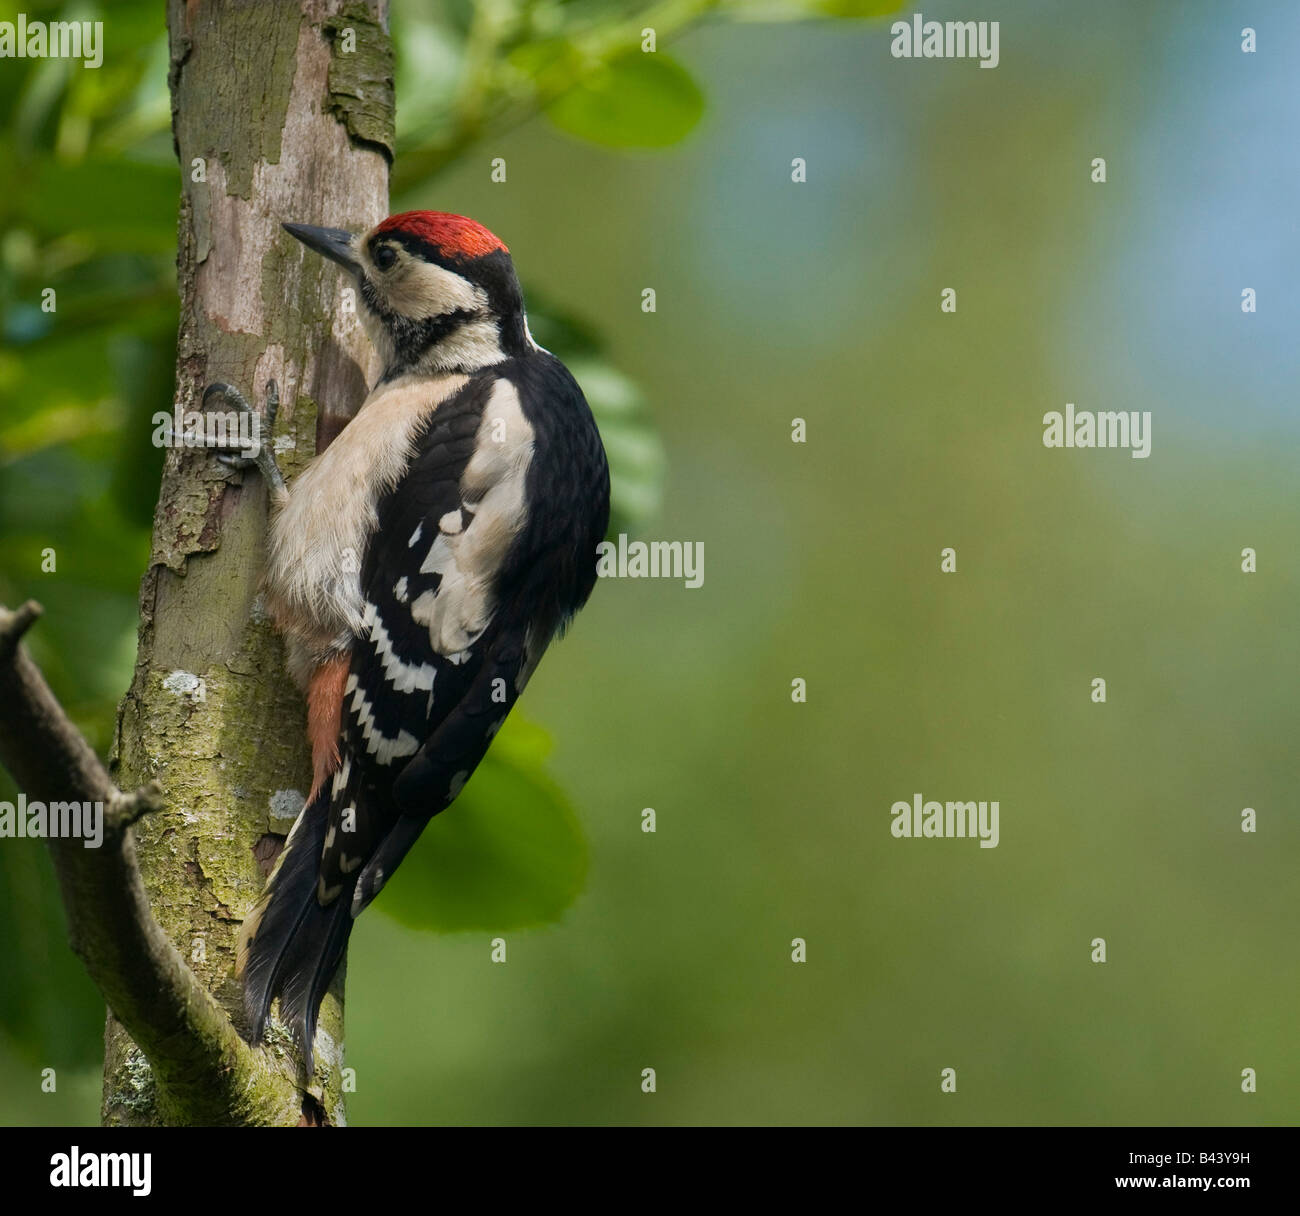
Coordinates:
(417, 568)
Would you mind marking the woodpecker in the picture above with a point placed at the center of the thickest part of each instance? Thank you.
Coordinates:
(417, 568)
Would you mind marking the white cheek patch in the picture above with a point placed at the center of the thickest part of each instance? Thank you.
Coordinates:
(425, 290)
(468, 555)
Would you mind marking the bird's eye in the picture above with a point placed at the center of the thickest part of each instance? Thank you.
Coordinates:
(385, 256)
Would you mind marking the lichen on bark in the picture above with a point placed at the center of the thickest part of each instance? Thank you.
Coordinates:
(258, 44)
(361, 77)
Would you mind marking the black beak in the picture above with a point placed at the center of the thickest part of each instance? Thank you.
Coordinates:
(333, 243)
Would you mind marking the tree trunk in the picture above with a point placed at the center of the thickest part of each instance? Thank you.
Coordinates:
(282, 111)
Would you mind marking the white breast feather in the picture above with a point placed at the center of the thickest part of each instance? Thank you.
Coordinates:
(318, 539)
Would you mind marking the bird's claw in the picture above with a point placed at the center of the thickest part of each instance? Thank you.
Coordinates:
(263, 455)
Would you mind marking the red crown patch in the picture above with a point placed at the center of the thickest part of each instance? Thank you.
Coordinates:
(454, 235)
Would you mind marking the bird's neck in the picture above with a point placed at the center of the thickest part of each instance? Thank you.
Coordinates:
(457, 342)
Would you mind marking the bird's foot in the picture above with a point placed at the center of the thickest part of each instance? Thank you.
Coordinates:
(256, 449)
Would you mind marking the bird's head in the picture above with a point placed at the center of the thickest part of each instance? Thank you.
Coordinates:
(437, 292)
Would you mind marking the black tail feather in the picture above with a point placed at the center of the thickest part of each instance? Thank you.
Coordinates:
(290, 945)
(312, 959)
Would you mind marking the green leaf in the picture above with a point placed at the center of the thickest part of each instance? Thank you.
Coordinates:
(49, 1009)
(551, 63)
(114, 203)
(632, 444)
(509, 853)
(566, 335)
(855, 8)
(802, 10)
(634, 101)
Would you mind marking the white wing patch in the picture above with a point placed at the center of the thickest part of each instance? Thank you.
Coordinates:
(468, 554)
(384, 749)
(440, 558)
(343, 775)
(404, 677)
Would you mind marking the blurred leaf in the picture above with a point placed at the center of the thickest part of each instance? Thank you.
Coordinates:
(564, 334)
(134, 205)
(632, 444)
(508, 854)
(61, 424)
(550, 62)
(145, 373)
(854, 8)
(634, 101)
(49, 1008)
(802, 10)
(429, 58)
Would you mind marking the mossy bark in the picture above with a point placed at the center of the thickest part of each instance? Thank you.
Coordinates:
(262, 138)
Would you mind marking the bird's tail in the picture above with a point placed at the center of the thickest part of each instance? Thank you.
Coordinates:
(291, 945)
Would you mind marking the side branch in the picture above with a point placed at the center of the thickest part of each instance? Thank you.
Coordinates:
(205, 1072)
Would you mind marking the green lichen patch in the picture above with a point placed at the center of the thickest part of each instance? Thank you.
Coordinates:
(131, 1096)
(138, 1087)
(360, 84)
(244, 62)
(300, 427)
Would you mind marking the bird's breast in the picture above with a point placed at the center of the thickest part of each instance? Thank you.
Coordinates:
(318, 539)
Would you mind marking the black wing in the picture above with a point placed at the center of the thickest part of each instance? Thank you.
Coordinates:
(482, 551)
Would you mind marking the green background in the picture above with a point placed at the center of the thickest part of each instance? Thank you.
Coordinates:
(819, 300)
